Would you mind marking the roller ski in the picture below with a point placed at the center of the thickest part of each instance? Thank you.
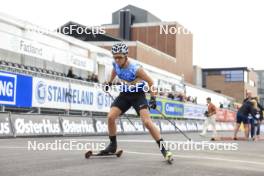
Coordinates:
(90, 153)
(110, 150)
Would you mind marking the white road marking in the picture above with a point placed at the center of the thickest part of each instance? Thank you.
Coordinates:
(199, 158)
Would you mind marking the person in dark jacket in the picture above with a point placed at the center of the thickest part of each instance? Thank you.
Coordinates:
(259, 119)
(242, 117)
(253, 121)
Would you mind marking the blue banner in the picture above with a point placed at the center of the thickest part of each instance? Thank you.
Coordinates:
(15, 89)
(170, 108)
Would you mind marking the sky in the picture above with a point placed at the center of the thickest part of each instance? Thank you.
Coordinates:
(226, 33)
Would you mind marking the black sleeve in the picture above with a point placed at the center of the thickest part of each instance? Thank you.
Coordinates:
(252, 112)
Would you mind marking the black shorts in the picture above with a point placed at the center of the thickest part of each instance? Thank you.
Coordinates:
(242, 118)
(125, 100)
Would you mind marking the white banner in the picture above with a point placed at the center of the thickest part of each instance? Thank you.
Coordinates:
(193, 111)
(20, 45)
(71, 96)
(35, 49)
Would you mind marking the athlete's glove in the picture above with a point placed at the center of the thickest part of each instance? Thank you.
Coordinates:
(107, 86)
(152, 102)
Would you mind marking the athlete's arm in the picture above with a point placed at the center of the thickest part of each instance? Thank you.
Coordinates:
(112, 77)
(143, 75)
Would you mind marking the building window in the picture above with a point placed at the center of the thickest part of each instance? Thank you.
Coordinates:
(233, 75)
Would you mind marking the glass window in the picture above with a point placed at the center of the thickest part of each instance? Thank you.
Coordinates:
(233, 75)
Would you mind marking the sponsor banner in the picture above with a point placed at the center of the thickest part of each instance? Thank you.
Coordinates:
(230, 116)
(101, 125)
(166, 126)
(220, 115)
(5, 126)
(225, 115)
(39, 50)
(191, 126)
(192, 111)
(136, 127)
(15, 89)
(34, 125)
(170, 108)
(72, 96)
(25, 46)
(75, 61)
(77, 125)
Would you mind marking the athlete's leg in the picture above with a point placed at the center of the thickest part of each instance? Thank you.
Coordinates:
(119, 106)
(113, 114)
(148, 123)
(236, 130)
(239, 120)
(246, 126)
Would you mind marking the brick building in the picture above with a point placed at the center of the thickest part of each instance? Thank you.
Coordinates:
(234, 82)
(166, 45)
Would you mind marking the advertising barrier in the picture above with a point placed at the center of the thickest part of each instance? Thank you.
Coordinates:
(225, 115)
(77, 126)
(102, 128)
(191, 126)
(70, 96)
(15, 89)
(5, 125)
(136, 127)
(166, 126)
(34, 125)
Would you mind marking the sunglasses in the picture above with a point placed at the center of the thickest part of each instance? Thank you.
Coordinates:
(119, 57)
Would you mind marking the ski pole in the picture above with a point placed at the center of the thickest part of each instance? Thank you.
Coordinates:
(164, 117)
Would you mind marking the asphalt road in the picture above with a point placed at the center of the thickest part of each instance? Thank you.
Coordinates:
(141, 157)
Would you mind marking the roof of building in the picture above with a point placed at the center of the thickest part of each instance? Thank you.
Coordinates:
(86, 34)
(226, 68)
(139, 15)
